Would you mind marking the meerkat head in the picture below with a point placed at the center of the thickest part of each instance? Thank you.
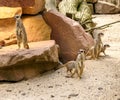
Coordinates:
(81, 51)
(17, 16)
(100, 34)
(106, 45)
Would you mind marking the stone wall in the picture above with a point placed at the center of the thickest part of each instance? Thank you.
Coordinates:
(107, 7)
(36, 28)
(115, 2)
(104, 6)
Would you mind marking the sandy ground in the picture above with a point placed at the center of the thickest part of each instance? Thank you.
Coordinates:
(100, 80)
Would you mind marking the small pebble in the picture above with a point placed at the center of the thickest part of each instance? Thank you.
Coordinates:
(50, 86)
(52, 96)
(100, 88)
(72, 95)
(23, 94)
(9, 90)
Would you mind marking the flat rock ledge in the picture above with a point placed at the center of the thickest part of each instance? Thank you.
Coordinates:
(16, 65)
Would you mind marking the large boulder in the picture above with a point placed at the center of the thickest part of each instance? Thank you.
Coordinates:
(68, 34)
(36, 8)
(27, 6)
(9, 12)
(17, 3)
(16, 65)
(115, 2)
(36, 28)
(103, 7)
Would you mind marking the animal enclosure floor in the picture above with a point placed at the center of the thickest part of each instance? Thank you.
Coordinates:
(100, 79)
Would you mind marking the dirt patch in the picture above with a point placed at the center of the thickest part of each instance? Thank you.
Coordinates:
(100, 79)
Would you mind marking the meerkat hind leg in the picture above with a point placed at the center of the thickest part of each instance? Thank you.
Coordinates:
(18, 43)
(25, 44)
(104, 53)
(73, 72)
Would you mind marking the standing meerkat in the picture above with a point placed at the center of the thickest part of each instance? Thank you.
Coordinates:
(95, 50)
(78, 65)
(104, 48)
(98, 45)
(91, 51)
(21, 33)
(81, 59)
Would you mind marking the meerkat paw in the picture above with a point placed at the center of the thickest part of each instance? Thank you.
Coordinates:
(26, 46)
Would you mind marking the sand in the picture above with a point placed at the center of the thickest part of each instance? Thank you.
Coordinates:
(100, 79)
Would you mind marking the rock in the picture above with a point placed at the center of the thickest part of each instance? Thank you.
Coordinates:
(16, 65)
(68, 34)
(103, 7)
(36, 28)
(100, 88)
(115, 2)
(10, 42)
(52, 96)
(2, 43)
(38, 7)
(7, 27)
(8, 90)
(92, 1)
(72, 95)
(9, 12)
(17, 3)
(23, 94)
(10, 8)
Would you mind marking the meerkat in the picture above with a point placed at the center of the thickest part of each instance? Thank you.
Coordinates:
(91, 53)
(70, 66)
(81, 60)
(21, 33)
(104, 48)
(98, 45)
(94, 51)
(76, 66)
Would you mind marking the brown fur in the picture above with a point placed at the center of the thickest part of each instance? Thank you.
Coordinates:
(98, 45)
(21, 33)
(104, 48)
(76, 66)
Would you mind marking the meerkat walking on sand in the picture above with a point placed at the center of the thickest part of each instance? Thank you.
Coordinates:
(76, 66)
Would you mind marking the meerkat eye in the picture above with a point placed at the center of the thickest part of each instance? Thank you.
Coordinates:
(82, 51)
